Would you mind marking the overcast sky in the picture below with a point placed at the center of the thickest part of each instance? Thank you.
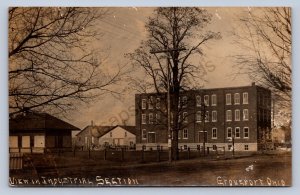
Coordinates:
(123, 30)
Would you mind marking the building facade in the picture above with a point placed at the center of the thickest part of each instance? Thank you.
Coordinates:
(218, 117)
(38, 133)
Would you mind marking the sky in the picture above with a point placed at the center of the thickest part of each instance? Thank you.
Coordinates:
(123, 30)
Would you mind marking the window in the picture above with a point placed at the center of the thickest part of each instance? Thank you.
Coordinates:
(157, 118)
(150, 103)
(214, 100)
(246, 132)
(110, 134)
(125, 134)
(229, 132)
(144, 104)
(151, 137)
(157, 103)
(198, 100)
(228, 115)
(185, 133)
(185, 147)
(198, 116)
(184, 101)
(236, 98)
(245, 115)
(246, 147)
(214, 147)
(144, 134)
(207, 116)
(185, 117)
(150, 118)
(13, 141)
(230, 147)
(237, 132)
(179, 134)
(237, 115)
(245, 98)
(26, 141)
(214, 116)
(144, 119)
(228, 99)
(206, 100)
(214, 133)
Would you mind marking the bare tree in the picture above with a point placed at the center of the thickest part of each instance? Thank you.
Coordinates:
(264, 36)
(52, 64)
(175, 36)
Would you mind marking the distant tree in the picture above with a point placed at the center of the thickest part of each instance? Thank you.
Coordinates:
(175, 36)
(264, 37)
(52, 65)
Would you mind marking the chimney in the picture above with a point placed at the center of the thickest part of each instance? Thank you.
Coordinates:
(253, 83)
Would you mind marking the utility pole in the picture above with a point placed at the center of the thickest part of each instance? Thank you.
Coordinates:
(203, 109)
(168, 51)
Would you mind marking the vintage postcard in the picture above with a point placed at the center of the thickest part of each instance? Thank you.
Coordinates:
(157, 96)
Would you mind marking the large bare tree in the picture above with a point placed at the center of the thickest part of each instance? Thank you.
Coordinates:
(52, 62)
(175, 36)
(264, 39)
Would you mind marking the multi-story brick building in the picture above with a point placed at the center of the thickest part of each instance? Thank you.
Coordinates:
(239, 113)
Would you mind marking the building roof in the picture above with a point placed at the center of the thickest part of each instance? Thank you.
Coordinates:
(98, 131)
(39, 121)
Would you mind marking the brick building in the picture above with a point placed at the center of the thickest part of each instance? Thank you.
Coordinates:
(239, 113)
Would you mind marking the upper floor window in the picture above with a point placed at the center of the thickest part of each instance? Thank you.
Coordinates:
(198, 116)
(245, 114)
(150, 103)
(214, 133)
(229, 132)
(157, 118)
(245, 98)
(144, 119)
(228, 115)
(185, 117)
(207, 116)
(236, 98)
(214, 100)
(150, 118)
(228, 99)
(184, 101)
(125, 135)
(144, 104)
(237, 132)
(144, 134)
(237, 115)
(246, 132)
(214, 116)
(185, 134)
(110, 134)
(157, 103)
(206, 100)
(198, 100)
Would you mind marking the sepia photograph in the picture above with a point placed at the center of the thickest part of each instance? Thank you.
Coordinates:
(150, 96)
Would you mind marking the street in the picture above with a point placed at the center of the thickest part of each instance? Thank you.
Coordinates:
(257, 170)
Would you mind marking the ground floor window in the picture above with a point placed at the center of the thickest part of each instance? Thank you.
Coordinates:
(151, 137)
(185, 147)
(229, 147)
(246, 147)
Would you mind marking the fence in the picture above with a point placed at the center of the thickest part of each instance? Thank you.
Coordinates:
(147, 154)
(15, 161)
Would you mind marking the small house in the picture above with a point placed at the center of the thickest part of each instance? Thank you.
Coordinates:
(39, 132)
(99, 137)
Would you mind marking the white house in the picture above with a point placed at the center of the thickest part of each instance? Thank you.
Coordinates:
(102, 136)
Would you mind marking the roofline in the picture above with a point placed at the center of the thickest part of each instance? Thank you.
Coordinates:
(208, 89)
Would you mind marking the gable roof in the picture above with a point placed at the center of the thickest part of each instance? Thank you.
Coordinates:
(39, 121)
(99, 131)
